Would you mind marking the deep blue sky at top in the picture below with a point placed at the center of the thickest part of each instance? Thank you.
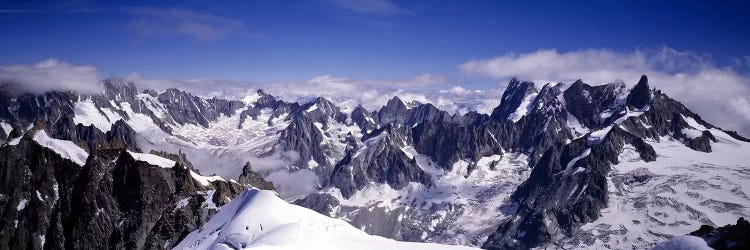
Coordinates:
(298, 40)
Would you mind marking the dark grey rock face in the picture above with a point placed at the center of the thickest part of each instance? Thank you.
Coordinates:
(512, 98)
(363, 119)
(587, 103)
(729, 237)
(429, 113)
(321, 110)
(566, 188)
(395, 111)
(119, 92)
(446, 143)
(382, 161)
(22, 109)
(253, 179)
(113, 201)
(640, 95)
(321, 203)
(185, 108)
(309, 137)
(120, 135)
(24, 171)
(303, 137)
(544, 125)
(667, 117)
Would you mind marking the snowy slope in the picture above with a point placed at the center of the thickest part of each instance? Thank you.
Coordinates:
(261, 220)
(88, 114)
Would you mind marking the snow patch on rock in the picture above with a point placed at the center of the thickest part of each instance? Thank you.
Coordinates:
(153, 159)
(66, 149)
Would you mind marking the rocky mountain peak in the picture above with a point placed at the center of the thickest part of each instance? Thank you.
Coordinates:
(324, 108)
(117, 90)
(640, 95)
(381, 160)
(395, 103)
(363, 118)
(395, 111)
(517, 94)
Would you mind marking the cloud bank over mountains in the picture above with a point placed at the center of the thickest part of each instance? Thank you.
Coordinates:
(52, 74)
(720, 94)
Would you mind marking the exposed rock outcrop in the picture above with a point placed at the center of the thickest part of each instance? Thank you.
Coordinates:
(113, 201)
(728, 237)
(253, 179)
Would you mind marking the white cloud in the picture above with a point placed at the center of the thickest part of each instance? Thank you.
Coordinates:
(201, 26)
(420, 81)
(742, 105)
(458, 90)
(204, 87)
(718, 94)
(373, 94)
(294, 184)
(52, 74)
(287, 181)
(379, 7)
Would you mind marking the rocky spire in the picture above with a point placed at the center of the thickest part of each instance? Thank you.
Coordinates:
(640, 95)
(251, 178)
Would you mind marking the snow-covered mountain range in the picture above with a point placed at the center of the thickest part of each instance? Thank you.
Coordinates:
(566, 165)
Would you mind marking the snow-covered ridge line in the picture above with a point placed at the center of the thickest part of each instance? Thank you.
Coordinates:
(205, 180)
(153, 159)
(167, 163)
(66, 149)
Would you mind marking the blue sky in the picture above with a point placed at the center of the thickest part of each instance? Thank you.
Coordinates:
(374, 39)
(369, 50)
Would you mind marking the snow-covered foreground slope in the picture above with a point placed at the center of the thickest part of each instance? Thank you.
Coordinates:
(684, 189)
(261, 220)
